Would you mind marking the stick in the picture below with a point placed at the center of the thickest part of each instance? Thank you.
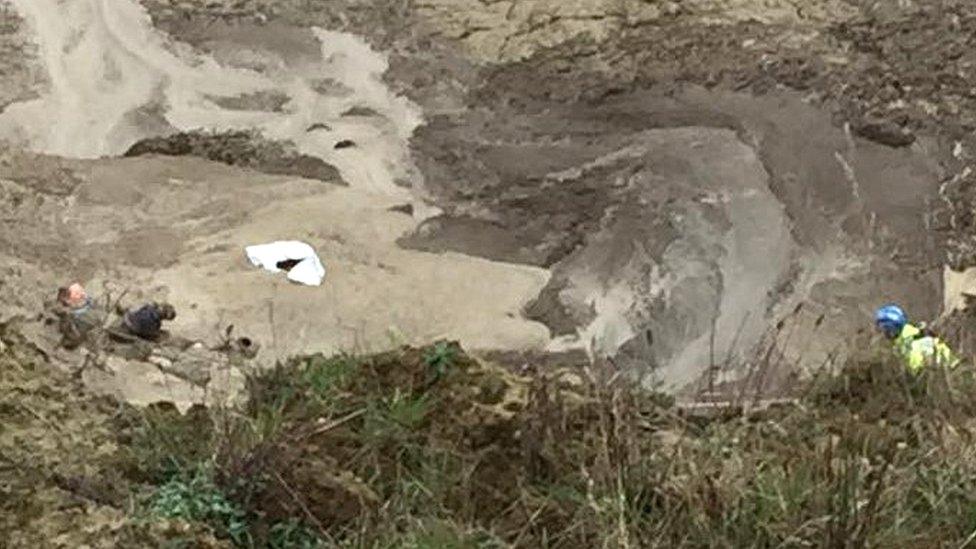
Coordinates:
(300, 503)
(337, 423)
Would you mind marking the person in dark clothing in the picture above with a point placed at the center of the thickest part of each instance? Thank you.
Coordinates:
(146, 322)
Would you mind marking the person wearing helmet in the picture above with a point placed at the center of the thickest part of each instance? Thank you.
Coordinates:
(916, 346)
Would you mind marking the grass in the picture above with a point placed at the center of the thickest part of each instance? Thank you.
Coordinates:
(440, 357)
(429, 448)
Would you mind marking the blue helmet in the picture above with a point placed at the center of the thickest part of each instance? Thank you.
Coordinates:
(890, 319)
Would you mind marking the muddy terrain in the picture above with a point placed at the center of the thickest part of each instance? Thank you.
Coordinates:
(673, 186)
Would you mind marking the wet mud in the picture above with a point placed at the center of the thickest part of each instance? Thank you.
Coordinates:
(681, 225)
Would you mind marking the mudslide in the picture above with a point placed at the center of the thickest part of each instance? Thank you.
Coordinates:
(667, 230)
(175, 228)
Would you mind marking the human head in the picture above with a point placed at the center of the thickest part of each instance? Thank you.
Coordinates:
(73, 296)
(166, 311)
(890, 319)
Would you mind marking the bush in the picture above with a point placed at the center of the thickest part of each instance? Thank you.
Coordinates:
(429, 448)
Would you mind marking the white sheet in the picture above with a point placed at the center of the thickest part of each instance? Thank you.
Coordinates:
(308, 271)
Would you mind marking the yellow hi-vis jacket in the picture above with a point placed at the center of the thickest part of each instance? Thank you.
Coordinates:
(919, 350)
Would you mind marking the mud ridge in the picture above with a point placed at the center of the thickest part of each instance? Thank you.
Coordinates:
(247, 149)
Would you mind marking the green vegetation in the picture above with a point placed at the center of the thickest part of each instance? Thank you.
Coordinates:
(196, 498)
(427, 448)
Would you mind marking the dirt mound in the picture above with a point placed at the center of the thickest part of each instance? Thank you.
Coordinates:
(247, 149)
(395, 409)
(646, 206)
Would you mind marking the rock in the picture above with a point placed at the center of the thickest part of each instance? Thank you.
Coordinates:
(247, 149)
(403, 208)
(318, 126)
(885, 132)
(361, 111)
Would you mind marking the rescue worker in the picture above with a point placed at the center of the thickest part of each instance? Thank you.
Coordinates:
(917, 347)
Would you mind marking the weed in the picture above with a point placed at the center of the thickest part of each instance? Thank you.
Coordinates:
(304, 384)
(293, 534)
(194, 497)
(407, 411)
(440, 357)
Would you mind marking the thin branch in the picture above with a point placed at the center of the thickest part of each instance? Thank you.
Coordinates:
(334, 424)
(298, 500)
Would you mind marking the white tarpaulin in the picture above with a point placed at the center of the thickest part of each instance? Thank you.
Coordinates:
(306, 268)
